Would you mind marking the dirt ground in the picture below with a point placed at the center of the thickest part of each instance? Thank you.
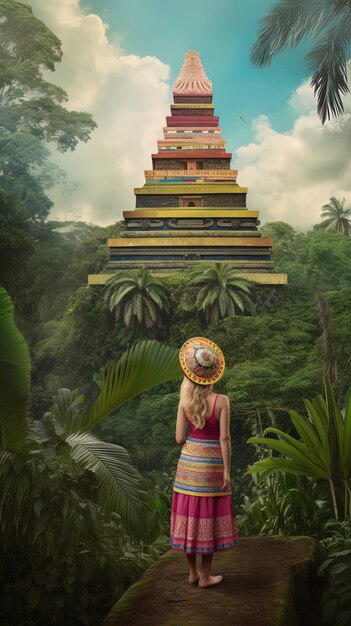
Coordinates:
(267, 581)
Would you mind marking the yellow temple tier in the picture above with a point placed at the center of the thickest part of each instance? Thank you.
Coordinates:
(191, 213)
(196, 187)
(191, 208)
(259, 278)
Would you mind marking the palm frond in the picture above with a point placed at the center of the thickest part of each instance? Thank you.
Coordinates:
(223, 303)
(150, 310)
(128, 314)
(328, 62)
(237, 298)
(120, 482)
(240, 284)
(139, 307)
(115, 297)
(230, 308)
(248, 304)
(146, 364)
(286, 24)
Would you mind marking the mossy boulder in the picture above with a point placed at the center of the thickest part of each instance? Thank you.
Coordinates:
(267, 581)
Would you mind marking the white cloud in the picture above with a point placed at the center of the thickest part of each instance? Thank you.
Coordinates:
(291, 175)
(128, 97)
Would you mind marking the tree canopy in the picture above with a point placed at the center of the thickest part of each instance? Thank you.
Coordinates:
(33, 120)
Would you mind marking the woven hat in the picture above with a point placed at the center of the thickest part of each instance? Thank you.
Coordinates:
(201, 360)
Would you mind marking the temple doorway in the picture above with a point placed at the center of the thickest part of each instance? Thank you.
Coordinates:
(191, 201)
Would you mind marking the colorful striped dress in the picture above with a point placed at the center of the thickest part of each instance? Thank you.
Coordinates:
(202, 516)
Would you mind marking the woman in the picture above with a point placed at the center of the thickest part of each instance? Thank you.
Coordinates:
(202, 517)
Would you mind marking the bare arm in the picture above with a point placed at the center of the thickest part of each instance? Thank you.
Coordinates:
(180, 426)
(224, 437)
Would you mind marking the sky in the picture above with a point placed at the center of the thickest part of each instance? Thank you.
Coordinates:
(120, 58)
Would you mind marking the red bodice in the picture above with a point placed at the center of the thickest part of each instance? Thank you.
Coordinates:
(211, 429)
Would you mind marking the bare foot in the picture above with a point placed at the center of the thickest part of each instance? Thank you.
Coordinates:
(210, 581)
(194, 578)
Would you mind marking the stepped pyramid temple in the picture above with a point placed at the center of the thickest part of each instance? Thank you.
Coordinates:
(191, 208)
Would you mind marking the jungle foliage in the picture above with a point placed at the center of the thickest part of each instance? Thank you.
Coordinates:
(33, 121)
(72, 506)
(274, 359)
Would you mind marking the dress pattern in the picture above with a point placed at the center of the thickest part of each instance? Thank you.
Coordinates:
(201, 521)
(200, 468)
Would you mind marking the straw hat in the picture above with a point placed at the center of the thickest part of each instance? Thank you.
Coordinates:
(201, 360)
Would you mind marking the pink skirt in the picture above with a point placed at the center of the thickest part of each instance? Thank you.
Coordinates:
(202, 524)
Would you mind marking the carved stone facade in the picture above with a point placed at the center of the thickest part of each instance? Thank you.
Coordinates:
(225, 199)
(221, 225)
(194, 111)
(207, 164)
(212, 200)
(266, 297)
(192, 80)
(151, 175)
(157, 201)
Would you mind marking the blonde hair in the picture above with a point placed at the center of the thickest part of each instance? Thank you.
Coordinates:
(194, 400)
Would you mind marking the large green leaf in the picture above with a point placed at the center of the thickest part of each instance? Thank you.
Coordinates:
(318, 414)
(14, 378)
(265, 467)
(309, 436)
(121, 485)
(336, 427)
(300, 448)
(146, 364)
(313, 469)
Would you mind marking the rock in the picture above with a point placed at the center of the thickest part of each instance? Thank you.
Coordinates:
(267, 581)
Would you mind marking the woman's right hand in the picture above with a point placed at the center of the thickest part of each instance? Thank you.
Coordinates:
(226, 480)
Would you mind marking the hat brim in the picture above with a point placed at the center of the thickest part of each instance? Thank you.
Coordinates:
(195, 377)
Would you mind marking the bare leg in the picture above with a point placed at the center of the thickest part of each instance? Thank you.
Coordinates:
(206, 580)
(193, 572)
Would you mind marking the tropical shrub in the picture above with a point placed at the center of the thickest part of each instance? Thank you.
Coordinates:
(283, 504)
(322, 453)
(336, 568)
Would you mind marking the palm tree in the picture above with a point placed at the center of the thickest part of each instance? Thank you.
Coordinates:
(328, 22)
(222, 291)
(66, 427)
(138, 298)
(337, 217)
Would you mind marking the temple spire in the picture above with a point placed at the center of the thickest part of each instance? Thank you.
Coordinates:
(192, 80)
